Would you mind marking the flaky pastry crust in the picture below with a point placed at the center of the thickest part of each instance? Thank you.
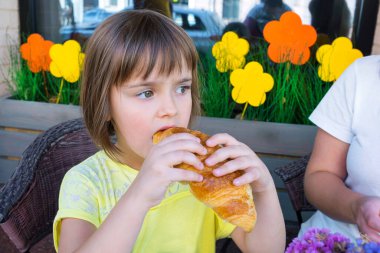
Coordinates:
(232, 203)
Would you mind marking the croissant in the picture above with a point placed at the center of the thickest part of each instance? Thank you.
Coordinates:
(232, 203)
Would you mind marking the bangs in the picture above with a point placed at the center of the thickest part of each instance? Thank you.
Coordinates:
(161, 46)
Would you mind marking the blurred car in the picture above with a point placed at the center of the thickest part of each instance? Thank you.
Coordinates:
(204, 27)
(96, 15)
(81, 31)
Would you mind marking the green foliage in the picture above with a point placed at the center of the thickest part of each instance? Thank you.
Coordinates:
(297, 90)
(43, 86)
(215, 90)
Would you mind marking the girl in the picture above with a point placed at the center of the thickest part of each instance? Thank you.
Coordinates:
(140, 76)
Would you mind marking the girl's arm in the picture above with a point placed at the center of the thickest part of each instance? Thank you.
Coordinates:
(81, 236)
(268, 234)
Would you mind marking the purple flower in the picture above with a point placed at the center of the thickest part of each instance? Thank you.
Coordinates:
(321, 240)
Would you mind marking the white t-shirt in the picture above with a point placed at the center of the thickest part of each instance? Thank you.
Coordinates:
(350, 111)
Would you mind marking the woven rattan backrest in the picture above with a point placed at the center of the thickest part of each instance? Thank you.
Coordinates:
(292, 175)
(29, 200)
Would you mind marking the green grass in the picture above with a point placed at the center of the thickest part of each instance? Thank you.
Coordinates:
(42, 86)
(297, 90)
(215, 90)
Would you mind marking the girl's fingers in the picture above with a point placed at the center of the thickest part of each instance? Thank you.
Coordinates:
(240, 163)
(183, 144)
(246, 178)
(181, 156)
(177, 174)
(221, 139)
(228, 152)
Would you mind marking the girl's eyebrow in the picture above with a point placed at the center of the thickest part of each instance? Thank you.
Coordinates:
(153, 83)
(184, 80)
(142, 84)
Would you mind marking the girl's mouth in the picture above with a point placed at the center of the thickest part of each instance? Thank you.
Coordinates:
(163, 129)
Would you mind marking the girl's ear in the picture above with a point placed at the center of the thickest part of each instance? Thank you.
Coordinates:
(109, 114)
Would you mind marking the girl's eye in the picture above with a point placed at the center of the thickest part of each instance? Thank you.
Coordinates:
(183, 89)
(145, 94)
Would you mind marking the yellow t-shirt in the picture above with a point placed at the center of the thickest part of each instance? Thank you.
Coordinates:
(180, 223)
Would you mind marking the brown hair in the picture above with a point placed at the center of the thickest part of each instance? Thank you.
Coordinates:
(127, 44)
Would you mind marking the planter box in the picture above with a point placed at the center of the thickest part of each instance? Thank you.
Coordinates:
(277, 144)
(20, 124)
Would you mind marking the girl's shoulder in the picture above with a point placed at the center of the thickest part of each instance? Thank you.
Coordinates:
(93, 163)
(86, 170)
(100, 167)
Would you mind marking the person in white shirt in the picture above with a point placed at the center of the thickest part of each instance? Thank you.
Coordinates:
(342, 178)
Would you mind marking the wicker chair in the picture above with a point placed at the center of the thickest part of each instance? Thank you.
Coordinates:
(29, 200)
(292, 175)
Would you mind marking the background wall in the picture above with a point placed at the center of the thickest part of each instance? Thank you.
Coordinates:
(9, 34)
(376, 40)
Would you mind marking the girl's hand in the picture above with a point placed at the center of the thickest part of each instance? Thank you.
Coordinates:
(158, 170)
(367, 216)
(242, 158)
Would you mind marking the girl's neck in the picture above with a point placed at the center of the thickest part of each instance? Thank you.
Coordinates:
(130, 158)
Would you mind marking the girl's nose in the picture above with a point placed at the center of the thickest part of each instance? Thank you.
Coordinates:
(167, 107)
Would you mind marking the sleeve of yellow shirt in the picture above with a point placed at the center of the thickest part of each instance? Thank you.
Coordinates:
(77, 199)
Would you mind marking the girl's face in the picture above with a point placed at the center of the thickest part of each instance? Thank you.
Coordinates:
(139, 108)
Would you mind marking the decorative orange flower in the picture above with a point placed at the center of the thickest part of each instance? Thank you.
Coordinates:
(36, 52)
(335, 58)
(289, 39)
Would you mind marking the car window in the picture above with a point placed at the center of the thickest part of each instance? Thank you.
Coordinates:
(105, 15)
(218, 21)
(90, 16)
(189, 21)
(95, 15)
(178, 19)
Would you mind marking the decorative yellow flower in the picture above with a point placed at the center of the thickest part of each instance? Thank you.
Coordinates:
(67, 60)
(335, 58)
(230, 52)
(251, 84)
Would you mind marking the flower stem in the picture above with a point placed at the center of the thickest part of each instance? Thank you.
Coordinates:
(60, 91)
(245, 108)
(45, 86)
